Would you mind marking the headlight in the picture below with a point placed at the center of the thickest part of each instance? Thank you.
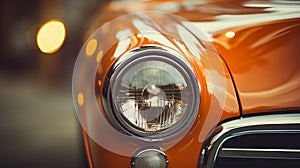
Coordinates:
(151, 92)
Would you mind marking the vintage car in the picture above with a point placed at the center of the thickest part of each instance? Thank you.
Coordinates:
(191, 84)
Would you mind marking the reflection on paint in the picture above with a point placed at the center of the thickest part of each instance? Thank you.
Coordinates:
(80, 98)
(91, 47)
(152, 34)
(229, 34)
(99, 56)
(124, 42)
(268, 11)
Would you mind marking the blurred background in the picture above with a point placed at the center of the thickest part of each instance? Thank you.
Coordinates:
(38, 124)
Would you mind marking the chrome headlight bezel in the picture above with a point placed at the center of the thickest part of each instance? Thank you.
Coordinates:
(140, 55)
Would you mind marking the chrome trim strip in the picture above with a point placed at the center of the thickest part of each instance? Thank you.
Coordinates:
(262, 150)
(255, 153)
(274, 124)
(274, 119)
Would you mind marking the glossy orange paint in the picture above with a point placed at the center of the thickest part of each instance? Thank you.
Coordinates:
(264, 61)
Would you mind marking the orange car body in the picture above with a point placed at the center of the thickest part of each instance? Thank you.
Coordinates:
(258, 58)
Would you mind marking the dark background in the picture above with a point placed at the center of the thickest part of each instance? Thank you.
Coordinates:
(38, 124)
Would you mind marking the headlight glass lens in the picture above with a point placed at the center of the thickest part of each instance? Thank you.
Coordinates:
(152, 94)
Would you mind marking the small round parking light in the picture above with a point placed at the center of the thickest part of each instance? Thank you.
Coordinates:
(150, 158)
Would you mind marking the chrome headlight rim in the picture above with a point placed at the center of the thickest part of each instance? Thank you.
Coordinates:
(143, 54)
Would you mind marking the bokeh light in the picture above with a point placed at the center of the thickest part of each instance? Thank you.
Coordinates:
(51, 36)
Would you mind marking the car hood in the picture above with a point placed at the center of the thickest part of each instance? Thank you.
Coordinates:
(261, 52)
(265, 64)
